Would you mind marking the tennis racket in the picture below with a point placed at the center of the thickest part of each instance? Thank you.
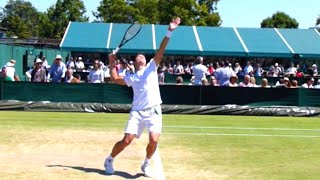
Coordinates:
(131, 32)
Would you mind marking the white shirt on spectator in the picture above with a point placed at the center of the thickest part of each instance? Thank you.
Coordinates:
(145, 86)
(305, 85)
(79, 65)
(248, 69)
(96, 76)
(199, 72)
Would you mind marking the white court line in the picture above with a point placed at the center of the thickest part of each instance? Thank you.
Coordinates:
(239, 128)
(252, 135)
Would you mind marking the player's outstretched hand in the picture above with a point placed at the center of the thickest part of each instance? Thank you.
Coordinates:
(174, 24)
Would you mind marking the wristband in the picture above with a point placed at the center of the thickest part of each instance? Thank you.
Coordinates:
(169, 33)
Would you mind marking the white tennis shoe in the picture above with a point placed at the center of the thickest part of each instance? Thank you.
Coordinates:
(108, 165)
(147, 169)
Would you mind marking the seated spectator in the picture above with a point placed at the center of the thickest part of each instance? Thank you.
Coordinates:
(45, 64)
(179, 80)
(246, 82)
(318, 84)
(264, 83)
(308, 84)
(11, 70)
(188, 68)
(286, 82)
(299, 74)
(4, 75)
(96, 74)
(80, 65)
(70, 78)
(57, 71)
(294, 84)
(237, 69)
(258, 70)
(248, 69)
(233, 80)
(211, 69)
(178, 69)
(213, 81)
(314, 70)
(272, 72)
(162, 69)
(204, 82)
(291, 71)
(38, 73)
(170, 69)
(124, 68)
(280, 83)
(253, 82)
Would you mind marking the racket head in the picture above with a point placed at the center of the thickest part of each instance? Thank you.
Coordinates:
(132, 31)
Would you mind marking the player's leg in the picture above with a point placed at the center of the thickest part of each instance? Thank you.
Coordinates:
(152, 145)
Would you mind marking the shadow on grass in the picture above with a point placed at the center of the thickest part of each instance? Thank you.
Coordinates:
(100, 171)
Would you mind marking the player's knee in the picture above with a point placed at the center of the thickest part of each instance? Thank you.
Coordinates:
(126, 141)
(153, 142)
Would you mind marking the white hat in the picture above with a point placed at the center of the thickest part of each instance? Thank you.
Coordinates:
(286, 79)
(276, 64)
(80, 58)
(38, 61)
(58, 56)
(314, 65)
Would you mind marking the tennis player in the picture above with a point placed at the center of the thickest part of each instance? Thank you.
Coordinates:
(146, 109)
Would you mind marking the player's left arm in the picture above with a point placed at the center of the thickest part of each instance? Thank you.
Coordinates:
(172, 26)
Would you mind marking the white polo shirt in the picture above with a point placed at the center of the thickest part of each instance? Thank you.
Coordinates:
(145, 87)
(199, 72)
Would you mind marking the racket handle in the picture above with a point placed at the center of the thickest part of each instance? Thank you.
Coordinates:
(116, 50)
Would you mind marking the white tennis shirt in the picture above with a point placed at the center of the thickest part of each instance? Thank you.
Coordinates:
(145, 87)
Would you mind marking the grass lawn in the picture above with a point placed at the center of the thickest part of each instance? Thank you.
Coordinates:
(43, 145)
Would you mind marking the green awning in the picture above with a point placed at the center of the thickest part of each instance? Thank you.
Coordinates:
(194, 40)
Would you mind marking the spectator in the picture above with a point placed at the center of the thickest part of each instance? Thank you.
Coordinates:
(170, 69)
(237, 69)
(71, 63)
(11, 70)
(213, 81)
(233, 81)
(258, 71)
(162, 69)
(124, 68)
(223, 74)
(246, 82)
(248, 69)
(188, 68)
(204, 82)
(70, 78)
(38, 73)
(294, 84)
(211, 69)
(57, 71)
(299, 74)
(280, 83)
(179, 80)
(45, 64)
(178, 69)
(264, 83)
(308, 84)
(80, 65)
(314, 70)
(291, 71)
(199, 71)
(191, 80)
(272, 72)
(286, 82)
(253, 82)
(4, 75)
(96, 74)
(318, 84)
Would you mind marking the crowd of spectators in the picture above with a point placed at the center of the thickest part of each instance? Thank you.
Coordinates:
(222, 73)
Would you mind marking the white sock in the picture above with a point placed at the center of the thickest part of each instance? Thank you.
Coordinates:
(147, 160)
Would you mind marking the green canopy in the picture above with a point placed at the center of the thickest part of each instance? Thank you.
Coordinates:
(194, 40)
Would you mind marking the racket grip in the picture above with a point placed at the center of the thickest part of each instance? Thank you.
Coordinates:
(116, 50)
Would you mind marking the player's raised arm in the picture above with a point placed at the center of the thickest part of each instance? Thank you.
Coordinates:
(115, 78)
(172, 26)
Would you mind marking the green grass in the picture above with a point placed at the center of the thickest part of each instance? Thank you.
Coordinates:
(198, 142)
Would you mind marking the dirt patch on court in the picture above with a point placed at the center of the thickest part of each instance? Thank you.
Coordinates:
(79, 154)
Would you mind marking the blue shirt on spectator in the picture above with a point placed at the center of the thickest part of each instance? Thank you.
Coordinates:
(57, 72)
(223, 75)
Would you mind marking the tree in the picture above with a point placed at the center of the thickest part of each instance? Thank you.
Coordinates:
(279, 20)
(20, 18)
(55, 21)
(200, 12)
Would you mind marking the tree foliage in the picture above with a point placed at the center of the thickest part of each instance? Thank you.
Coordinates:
(20, 18)
(279, 20)
(200, 12)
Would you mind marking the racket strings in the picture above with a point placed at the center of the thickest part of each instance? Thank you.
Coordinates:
(133, 31)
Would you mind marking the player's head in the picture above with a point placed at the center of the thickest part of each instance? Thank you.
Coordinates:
(140, 61)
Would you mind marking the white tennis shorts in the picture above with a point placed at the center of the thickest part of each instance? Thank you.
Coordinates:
(151, 118)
